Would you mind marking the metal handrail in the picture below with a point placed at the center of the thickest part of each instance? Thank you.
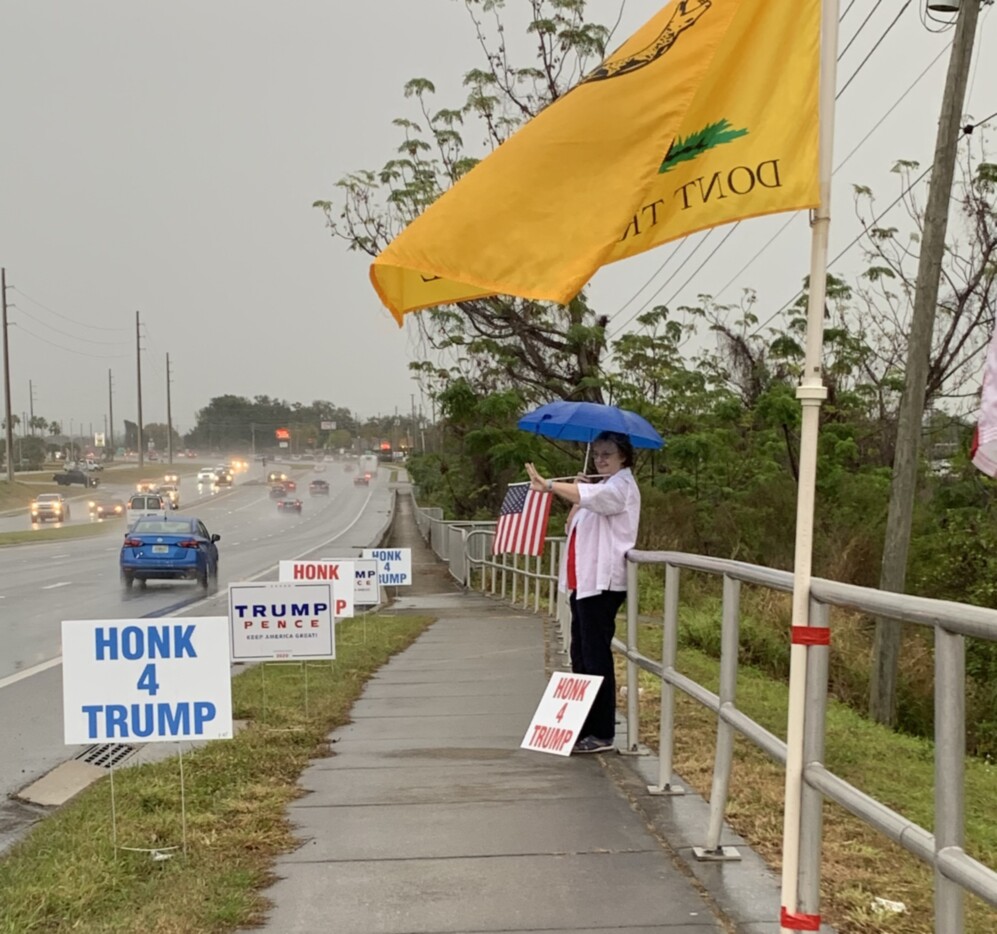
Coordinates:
(955, 870)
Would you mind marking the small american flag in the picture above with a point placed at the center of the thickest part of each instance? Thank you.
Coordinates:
(522, 522)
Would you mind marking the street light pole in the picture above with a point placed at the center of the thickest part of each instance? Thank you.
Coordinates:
(6, 379)
(169, 414)
(138, 371)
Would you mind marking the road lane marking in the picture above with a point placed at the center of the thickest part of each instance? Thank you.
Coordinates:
(29, 672)
(53, 586)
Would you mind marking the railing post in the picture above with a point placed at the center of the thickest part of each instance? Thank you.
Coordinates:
(536, 584)
(669, 655)
(552, 586)
(514, 574)
(811, 800)
(950, 753)
(729, 643)
(633, 687)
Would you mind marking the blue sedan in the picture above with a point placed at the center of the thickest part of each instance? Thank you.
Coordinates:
(174, 548)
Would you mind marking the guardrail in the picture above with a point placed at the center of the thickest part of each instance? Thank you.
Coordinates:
(466, 547)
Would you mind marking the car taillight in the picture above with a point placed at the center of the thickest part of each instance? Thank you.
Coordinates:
(188, 543)
(133, 543)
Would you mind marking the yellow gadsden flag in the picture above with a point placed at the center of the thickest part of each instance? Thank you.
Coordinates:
(708, 114)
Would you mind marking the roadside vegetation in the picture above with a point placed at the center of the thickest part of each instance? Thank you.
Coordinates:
(66, 875)
(858, 863)
(50, 533)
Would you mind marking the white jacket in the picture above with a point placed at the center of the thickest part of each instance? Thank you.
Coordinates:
(605, 528)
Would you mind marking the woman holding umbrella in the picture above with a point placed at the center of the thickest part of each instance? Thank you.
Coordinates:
(602, 528)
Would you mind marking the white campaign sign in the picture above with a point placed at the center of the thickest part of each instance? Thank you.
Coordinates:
(281, 621)
(338, 573)
(146, 680)
(366, 591)
(561, 713)
(394, 565)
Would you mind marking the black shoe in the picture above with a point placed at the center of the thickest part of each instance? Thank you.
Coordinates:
(589, 744)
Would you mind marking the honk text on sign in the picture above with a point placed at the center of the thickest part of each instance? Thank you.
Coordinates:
(561, 713)
(281, 620)
(146, 680)
(394, 565)
(338, 573)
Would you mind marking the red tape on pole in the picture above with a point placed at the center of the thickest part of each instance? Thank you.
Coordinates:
(799, 922)
(811, 635)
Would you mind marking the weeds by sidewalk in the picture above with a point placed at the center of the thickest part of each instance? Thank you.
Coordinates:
(67, 876)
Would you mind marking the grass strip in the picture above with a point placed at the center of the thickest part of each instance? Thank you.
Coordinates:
(66, 876)
(858, 863)
(58, 533)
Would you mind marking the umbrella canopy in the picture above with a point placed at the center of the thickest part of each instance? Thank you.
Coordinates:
(706, 115)
(585, 421)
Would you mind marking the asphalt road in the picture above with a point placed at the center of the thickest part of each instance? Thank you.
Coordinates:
(43, 584)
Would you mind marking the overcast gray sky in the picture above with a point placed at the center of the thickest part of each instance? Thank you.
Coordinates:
(163, 157)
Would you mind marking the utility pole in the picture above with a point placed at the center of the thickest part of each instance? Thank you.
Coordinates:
(169, 415)
(31, 405)
(6, 378)
(893, 574)
(110, 414)
(138, 367)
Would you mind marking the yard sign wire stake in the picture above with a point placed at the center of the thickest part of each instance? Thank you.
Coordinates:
(157, 853)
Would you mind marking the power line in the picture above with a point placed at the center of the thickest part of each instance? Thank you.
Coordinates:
(873, 49)
(661, 287)
(839, 166)
(862, 26)
(789, 221)
(52, 311)
(82, 353)
(875, 220)
(74, 337)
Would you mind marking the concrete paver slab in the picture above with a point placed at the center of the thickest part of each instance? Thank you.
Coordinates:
(442, 705)
(467, 828)
(516, 893)
(441, 783)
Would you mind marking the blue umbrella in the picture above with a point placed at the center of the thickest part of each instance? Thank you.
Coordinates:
(584, 421)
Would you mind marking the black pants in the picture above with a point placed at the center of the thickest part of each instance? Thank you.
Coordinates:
(593, 625)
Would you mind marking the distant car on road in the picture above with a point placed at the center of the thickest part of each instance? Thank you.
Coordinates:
(318, 488)
(178, 548)
(172, 494)
(276, 476)
(205, 475)
(289, 505)
(68, 477)
(361, 479)
(144, 506)
(147, 486)
(49, 506)
(171, 478)
(106, 507)
(278, 491)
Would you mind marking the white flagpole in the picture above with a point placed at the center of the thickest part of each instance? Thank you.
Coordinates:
(811, 393)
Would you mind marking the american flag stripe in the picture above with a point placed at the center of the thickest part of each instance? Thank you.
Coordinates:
(522, 524)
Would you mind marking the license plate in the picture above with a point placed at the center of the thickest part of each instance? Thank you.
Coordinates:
(160, 549)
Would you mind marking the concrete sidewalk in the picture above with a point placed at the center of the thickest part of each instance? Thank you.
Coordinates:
(429, 818)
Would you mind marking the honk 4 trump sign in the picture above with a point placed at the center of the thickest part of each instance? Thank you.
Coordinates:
(281, 621)
(565, 704)
(146, 680)
(339, 574)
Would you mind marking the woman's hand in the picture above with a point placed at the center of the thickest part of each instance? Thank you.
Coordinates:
(537, 483)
